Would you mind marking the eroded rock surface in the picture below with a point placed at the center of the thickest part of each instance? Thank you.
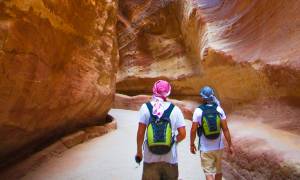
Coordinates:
(246, 50)
(135, 102)
(266, 139)
(58, 63)
(151, 45)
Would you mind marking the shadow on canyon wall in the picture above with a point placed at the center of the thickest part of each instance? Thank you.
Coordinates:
(61, 64)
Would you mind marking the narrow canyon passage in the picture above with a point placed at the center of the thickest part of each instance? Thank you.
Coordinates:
(256, 143)
(63, 63)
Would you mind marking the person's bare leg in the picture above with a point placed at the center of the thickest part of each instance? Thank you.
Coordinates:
(218, 176)
(209, 177)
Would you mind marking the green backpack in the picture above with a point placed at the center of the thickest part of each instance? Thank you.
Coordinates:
(210, 122)
(159, 131)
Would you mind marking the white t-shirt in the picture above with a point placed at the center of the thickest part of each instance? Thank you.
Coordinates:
(208, 144)
(177, 121)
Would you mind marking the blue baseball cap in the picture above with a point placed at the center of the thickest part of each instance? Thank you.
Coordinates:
(207, 93)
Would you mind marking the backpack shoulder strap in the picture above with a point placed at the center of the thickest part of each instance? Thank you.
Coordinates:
(206, 109)
(168, 111)
(150, 108)
(215, 105)
(202, 106)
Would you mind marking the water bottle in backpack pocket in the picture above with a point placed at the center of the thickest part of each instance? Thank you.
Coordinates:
(159, 131)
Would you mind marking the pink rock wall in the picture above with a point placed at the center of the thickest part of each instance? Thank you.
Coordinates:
(246, 50)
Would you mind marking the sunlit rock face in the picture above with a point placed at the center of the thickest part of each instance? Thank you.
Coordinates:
(58, 64)
(151, 45)
(246, 50)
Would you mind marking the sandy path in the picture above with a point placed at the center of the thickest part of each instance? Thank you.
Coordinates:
(110, 157)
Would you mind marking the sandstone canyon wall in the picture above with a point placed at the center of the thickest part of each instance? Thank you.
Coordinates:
(151, 45)
(59, 61)
(246, 50)
(58, 64)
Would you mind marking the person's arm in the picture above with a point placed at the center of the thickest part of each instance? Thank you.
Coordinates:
(179, 124)
(181, 134)
(196, 116)
(227, 135)
(140, 139)
(193, 137)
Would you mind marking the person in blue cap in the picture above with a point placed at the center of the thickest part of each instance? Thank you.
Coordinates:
(209, 121)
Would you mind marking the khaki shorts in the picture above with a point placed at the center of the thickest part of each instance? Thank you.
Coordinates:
(211, 161)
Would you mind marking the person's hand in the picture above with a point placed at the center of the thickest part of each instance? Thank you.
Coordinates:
(139, 156)
(193, 148)
(231, 150)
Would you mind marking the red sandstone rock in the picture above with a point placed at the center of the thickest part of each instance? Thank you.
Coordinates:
(266, 141)
(58, 63)
(111, 126)
(131, 103)
(89, 133)
(246, 50)
(95, 131)
(74, 139)
(20, 169)
(135, 102)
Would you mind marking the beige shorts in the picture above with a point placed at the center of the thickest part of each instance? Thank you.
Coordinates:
(211, 161)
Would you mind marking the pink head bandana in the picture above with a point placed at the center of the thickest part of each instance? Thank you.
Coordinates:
(161, 90)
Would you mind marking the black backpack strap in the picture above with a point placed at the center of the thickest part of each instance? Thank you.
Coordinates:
(168, 111)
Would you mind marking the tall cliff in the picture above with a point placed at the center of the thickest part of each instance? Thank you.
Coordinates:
(58, 64)
(247, 50)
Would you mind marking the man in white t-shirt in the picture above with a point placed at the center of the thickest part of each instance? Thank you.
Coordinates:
(210, 149)
(165, 166)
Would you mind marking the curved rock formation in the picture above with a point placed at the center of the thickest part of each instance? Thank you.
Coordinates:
(58, 64)
(247, 50)
(151, 45)
(135, 102)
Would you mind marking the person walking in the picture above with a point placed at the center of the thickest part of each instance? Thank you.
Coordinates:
(209, 120)
(164, 126)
